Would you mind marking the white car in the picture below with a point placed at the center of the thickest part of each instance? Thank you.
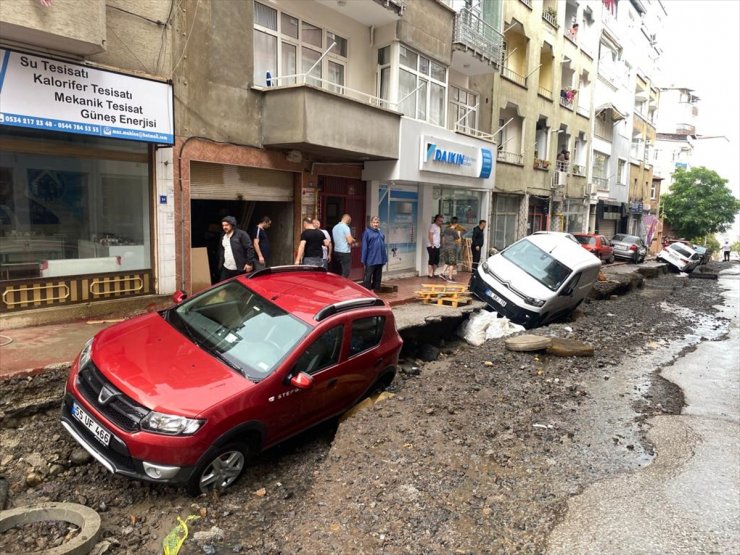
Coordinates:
(680, 256)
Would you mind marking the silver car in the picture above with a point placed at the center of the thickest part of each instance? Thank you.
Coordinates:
(629, 247)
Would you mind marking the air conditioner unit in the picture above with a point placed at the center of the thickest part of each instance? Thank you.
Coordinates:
(560, 179)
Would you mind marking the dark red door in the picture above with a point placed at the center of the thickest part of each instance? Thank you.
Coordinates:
(340, 195)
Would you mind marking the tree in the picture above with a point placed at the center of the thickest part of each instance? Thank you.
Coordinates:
(699, 203)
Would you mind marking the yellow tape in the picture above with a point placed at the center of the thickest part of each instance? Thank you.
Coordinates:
(174, 540)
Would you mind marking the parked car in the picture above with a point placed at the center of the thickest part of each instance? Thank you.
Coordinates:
(629, 247)
(598, 245)
(537, 279)
(187, 395)
(680, 256)
(704, 252)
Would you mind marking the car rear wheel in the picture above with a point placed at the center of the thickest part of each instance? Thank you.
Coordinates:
(221, 469)
(610, 260)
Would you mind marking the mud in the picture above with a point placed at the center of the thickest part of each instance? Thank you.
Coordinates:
(465, 458)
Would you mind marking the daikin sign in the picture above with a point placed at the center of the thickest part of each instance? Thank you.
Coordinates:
(42, 93)
(454, 158)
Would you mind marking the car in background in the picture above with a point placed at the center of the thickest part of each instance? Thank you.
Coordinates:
(704, 252)
(629, 247)
(537, 279)
(189, 394)
(598, 245)
(682, 257)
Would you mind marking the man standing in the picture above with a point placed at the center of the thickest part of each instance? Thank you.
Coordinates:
(343, 242)
(726, 250)
(476, 244)
(235, 253)
(326, 248)
(262, 243)
(374, 256)
(434, 237)
(310, 249)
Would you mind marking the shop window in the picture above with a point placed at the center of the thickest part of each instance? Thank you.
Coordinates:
(77, 213)
(505, 218)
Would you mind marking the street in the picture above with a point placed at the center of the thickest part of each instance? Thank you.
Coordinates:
(483, 450)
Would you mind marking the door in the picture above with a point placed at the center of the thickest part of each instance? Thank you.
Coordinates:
(341, 195)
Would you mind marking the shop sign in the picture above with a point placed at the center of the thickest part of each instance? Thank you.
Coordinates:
(636, 208)
(441, 156)
(42, 93)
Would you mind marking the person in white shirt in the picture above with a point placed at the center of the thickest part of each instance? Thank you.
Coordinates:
(434, 237)
(326, 249)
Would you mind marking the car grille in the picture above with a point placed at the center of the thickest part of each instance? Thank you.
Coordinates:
(117, 407)
(505, 283)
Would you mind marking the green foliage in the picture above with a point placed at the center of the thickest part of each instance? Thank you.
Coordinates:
(735, 247)
(699, 203)
(709, 241)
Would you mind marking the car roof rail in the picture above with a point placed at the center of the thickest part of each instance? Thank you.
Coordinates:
(347, 305)
(286, 269)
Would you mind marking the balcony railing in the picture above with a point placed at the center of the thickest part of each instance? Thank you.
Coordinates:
(527, 3)
(583, 111)
(551, 17)
(602, 183)
(562, 165)
(547, 93)
(565, 103)
(474, 33)
(477, 133)
(577, 169)
(510, 157)
(512, 75)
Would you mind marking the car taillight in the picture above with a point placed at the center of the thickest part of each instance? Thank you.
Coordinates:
(633, 247)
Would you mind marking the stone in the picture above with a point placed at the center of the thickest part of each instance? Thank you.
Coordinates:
(570, 348)
(33, 479)
(528, 342)
(79, 457)
(214, 534)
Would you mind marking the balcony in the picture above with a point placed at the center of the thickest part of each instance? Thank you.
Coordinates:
(368, 12)
(476, 45)
(514, 77)
(545, 93)
(579, 170)
(551, 16)
(58, 27)
(510, 157)
(339, 123)
(601, 183)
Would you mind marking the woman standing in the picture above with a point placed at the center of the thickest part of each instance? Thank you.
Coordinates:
(373, 255)
(449, 253)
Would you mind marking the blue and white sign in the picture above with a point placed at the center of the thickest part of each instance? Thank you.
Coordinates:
(47, 94)
(439, 155)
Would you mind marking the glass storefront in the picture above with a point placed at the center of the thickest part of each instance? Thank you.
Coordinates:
(505, 220)
(72, 205)
(464, 204)
(397, 210)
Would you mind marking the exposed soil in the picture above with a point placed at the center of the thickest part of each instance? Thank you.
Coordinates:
(467, 457)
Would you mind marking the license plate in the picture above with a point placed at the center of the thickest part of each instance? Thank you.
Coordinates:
(100, 433)
(496, 298)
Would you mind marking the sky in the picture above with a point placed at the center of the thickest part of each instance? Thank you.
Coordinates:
(701, 51)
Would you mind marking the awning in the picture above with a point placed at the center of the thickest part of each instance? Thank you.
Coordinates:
(616, 114)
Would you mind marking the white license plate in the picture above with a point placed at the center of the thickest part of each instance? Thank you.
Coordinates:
(496, 298)
(100, 433)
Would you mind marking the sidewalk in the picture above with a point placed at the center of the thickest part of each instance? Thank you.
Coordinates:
(31, 350)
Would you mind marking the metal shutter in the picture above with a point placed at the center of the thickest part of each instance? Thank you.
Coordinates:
(221, 182)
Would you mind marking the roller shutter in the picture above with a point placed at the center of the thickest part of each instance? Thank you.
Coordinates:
(222, 182)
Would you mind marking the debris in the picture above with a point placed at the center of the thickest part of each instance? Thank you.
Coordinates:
(570, 348)
(214, 534)
(528, 343)
(174, 540)
(261, 492)
(444, 295)
(488, 363)
(486, 325)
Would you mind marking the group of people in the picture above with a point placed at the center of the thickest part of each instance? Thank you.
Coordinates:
(444, 242)
(239, 253)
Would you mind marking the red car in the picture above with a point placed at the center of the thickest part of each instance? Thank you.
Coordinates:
(188, 395)
(598, 245)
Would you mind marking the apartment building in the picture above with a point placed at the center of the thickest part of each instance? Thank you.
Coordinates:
(544, 105)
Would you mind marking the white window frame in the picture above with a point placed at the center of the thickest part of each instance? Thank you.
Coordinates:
(457, 109)
(281, 77)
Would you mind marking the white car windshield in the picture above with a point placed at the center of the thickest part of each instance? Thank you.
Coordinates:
(243, 329)
(537, 263)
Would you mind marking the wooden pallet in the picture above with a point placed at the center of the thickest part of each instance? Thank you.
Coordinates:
(444, 294)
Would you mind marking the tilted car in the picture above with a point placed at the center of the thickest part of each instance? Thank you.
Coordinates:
(187, 395)
(682, 257)
(537, 279)
(598, 245)
(629, 247)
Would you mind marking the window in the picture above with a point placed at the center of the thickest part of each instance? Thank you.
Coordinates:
(505, 218)
(422, 87)
(622, 172)
(463, 110)
(653, 191)
(366, 333)
(285, 46)
(322, 353)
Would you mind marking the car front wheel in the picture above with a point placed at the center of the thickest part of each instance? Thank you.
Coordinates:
(610, 260)
(221, 469)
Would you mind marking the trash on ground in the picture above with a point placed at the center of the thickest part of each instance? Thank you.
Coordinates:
(444, 295)
(174, 540)
(486, 325)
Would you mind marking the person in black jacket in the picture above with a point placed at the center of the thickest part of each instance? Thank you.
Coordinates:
(235, 253)
(476, 243)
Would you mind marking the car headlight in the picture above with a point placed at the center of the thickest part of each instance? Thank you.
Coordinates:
(170, 424)
(86, 353)
(484, 265)
(534, 302)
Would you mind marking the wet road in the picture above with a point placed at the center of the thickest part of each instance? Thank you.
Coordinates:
(688, 499)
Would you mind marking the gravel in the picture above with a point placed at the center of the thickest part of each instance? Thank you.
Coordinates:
(477, 451)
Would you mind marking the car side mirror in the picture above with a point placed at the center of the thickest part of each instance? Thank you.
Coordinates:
(179, 296)
(567, 292)
(301, 380)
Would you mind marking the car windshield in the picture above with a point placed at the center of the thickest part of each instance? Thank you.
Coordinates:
(241, 328)
(537, 263)
(586, 240)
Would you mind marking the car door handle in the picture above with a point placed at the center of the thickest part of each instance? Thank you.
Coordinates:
(378, 362)
(331, 383)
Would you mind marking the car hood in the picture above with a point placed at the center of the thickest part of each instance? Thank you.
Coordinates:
(154, 364)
